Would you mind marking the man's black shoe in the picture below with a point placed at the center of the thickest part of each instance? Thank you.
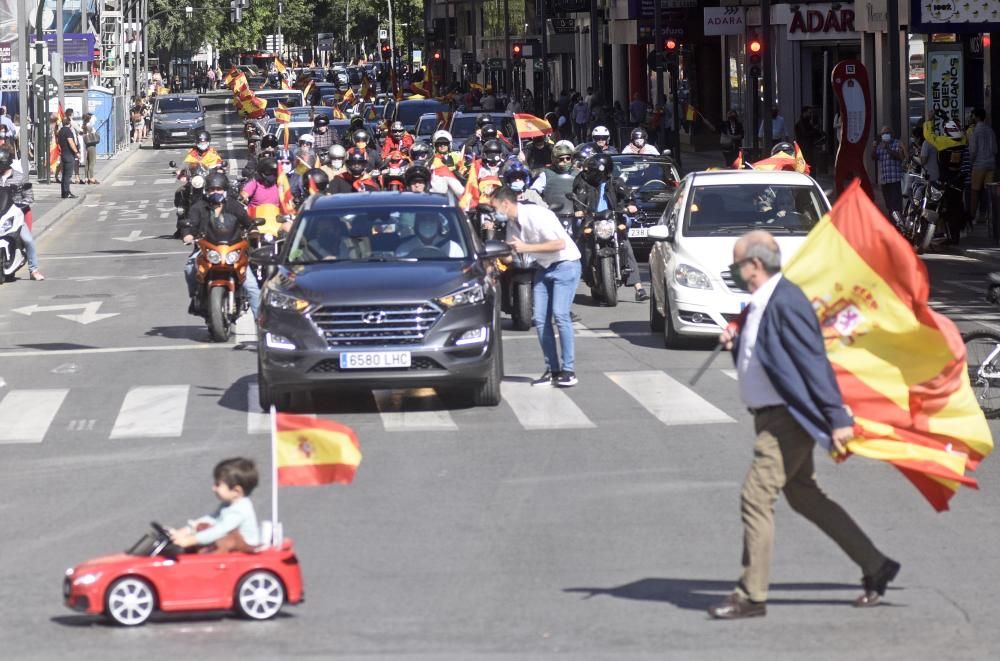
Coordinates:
(875, 585)
(641, 295)
(566, 379)
(547, 379)
(737, 607)
(69, 196)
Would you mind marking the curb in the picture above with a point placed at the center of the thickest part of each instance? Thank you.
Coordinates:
(42, 224)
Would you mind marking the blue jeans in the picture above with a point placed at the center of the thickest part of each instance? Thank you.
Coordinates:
(250, 286)
(29, 248)
(554, 290)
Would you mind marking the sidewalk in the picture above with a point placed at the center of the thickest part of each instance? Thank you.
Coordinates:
(49, 207)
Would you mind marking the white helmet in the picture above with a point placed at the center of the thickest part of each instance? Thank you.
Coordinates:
(600, 132)
(953, 130)
(337, 151)
(307, 137)
(441, 136)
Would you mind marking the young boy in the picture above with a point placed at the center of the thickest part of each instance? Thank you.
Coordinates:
(233, 527)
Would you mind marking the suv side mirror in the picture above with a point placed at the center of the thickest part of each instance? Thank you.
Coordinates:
(264, 257)
(496, 249)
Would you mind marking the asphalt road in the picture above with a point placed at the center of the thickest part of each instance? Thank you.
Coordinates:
(593, 523)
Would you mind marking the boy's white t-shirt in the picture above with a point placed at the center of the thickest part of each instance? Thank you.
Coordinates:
(238, 515)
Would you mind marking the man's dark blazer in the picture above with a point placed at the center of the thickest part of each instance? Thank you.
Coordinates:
(791, 350)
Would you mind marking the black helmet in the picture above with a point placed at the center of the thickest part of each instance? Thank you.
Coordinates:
(639, 133)
(492, 152)
(582, 153)
(6, 159)
(269, 142)
(318, 178)
(356, 163)
(420, 151)
(483, 120)
(397, 130)
(267, 167)
(320, 120)
(357, 121)
(597, 168)
(216, 179)
(361, 135)
(416, 173)
(204, 136)
(489, 132)
(783, 147)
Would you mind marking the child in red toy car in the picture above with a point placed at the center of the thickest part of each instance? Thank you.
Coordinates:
(232, 527)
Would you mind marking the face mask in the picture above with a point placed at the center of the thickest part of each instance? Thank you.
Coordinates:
(517, 185)
(500, 217)
(202, 146)
(217, 197)
(886, 137)
(639, 142)
(337, 163)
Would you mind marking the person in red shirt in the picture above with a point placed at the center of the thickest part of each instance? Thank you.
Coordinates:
(399, 140)
(355, 178)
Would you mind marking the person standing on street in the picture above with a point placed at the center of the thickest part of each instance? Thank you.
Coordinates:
(90, 147)
(537, 233)
(983, 154)
(889, 155)
(779, 133)
(789, 386)
(69, 154)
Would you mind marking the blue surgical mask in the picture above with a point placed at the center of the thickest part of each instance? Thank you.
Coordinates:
(517, 185)
(217, 197)
(886, 137)
(500, 217)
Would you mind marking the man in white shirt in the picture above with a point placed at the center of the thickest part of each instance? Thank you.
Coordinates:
(778, 131)
(537, 233)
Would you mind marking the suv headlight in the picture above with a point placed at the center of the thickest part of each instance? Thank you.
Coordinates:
(689, 276)
(232, 257)
(276, 299)
(604, 229)
(467, 295)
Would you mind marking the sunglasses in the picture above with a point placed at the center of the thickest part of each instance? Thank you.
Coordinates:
(737, 265)
(564, 159)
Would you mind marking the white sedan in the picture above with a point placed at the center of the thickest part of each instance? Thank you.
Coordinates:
(693, 293)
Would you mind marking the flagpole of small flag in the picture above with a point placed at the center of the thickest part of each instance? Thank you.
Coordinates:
(274, 471)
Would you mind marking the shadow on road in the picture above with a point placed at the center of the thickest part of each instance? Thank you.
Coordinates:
(193, 332)
(699, 594)
(158, 617)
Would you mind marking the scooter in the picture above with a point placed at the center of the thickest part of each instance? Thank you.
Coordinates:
(12, 254)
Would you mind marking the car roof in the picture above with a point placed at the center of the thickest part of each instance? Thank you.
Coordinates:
(731, 177)
(380, 198)
(178, 97)
(484, 112)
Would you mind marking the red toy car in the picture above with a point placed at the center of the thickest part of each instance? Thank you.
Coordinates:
(155, 575)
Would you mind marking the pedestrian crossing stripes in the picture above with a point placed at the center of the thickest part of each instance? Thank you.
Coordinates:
(27, 415)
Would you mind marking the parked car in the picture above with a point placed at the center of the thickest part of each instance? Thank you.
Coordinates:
(177, 118)
(360, 300)
(693, 292)
(652, 181)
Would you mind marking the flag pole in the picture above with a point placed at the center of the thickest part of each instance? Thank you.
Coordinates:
(274, 470)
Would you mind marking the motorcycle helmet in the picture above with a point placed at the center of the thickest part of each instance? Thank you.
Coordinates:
(337, 155)
(321, 121)
(785, 147)
(483, 120)
(416, 173)
(316, 181)
(356, 163)
(562, 156)
(597, 168)
(267, 171)
(216, 181)
(582, 153)
(397, 130)
(361, 135)
(396, 162)
(489, 132)
(953, 130)
(269, 142)
(357, 122)
(420, 152)
(492, 153)
(203, 141)
(6, 160)
(639, 136)
(516, 176)
(306, 138)
(600, 133)
(442, 137)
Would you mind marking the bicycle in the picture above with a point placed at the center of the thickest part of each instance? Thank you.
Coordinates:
(982, 350)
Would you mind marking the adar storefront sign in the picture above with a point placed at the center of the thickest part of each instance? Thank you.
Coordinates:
(944, 87)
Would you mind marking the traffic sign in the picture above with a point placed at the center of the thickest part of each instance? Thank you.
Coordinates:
(45, 86)
(383, 33)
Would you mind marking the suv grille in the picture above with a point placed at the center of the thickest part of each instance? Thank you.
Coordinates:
(727, 278)
(375, 325)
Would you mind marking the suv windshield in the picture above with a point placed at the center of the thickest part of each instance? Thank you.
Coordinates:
(378, 234)
(739, 208)
(177, 105)
(409, 112)
(465, 125)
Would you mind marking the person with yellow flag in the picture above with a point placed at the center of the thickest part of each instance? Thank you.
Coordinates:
(203, 154)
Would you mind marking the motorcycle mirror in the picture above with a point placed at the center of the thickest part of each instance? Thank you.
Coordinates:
(172, 164)
(264, 257)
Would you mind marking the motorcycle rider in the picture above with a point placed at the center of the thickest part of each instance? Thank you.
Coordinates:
(538, 153)
(953, 157)
(218, 220)
(268, 149)
(335, 164)
(487, 166)
(420, 152)
(203, 154)
(399, 140)
(556, 180)
(638, 144)
(473, 145)
(517, 177)
(599, 190)
(601, 139)
(444, 156)
(263, 188)
(361, 139)
(581, 154)
(305, 157)
(314, 182)
(392, 174)
(323, 137)
(23, 199)
(355, 178)
(417, 178)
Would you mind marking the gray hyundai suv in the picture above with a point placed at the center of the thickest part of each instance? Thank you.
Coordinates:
(380, 290)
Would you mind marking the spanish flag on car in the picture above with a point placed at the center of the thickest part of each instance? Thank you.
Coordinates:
(901, 366)
(281, 114)
(310, 451)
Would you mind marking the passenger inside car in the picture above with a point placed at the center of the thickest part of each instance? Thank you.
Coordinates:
(432, 238)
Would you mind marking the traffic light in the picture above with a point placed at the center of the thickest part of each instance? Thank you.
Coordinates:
(670, 47)
(386, 51)
(235, 11)
(437, 57)
(755, 48)
(516, 50)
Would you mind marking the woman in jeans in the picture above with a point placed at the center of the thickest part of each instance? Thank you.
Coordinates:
(90, 126)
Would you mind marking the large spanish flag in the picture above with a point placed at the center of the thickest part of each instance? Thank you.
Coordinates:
(529, 126)
(310, 451)
(286, 204)
(900, 365)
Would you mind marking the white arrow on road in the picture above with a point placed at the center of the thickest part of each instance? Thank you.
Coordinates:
(88, 314)
(134, 235)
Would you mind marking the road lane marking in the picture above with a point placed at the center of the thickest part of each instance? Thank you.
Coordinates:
(412, 410)
(670, 401)
(124, 182)
(139, 349)
(49, 258)
(164, 181)
(542, 407)
(258, 422)
(27, 414)
(152, 411)
(246, 328)
(731, 374)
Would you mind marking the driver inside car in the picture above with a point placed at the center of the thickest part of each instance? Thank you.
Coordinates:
(429, 233)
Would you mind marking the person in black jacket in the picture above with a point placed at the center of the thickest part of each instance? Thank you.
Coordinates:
(218, 220)
(598, 190)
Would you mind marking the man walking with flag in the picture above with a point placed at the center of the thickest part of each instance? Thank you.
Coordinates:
(788, 384)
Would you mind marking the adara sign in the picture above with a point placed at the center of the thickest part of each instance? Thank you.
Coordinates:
(819, 21)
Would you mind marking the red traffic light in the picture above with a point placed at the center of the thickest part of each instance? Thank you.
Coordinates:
(755, 46)
(515, 50)
(437, 55)
(670, 45)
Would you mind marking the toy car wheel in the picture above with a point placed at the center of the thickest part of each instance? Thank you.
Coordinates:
(260, 595)
(130, 601)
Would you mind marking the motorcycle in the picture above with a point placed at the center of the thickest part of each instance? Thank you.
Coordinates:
(12, 254)
(220, 270)
(516, 276)
(602, 237)
(926, 205)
